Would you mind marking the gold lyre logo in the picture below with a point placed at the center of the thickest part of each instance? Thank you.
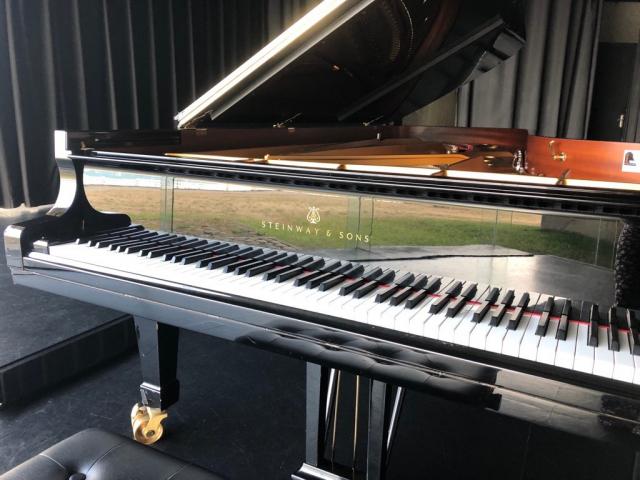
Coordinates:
(313, 216)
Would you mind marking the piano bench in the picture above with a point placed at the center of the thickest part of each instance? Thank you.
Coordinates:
(98, 455)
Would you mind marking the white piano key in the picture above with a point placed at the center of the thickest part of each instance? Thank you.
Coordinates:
(447, 329)
(624, 367)
(478, 336)
(548, 344)
(530, 341)
(603, 360)
(584, 353)
(566, 351)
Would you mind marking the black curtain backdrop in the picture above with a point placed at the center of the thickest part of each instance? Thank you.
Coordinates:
(546, 88)
(112, 64)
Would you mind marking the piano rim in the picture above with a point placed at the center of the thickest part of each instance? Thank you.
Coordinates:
(43, 272)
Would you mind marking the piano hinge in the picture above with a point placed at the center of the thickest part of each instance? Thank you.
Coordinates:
(284, 123)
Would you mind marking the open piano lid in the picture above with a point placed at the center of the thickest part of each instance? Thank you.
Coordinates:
(362, 61)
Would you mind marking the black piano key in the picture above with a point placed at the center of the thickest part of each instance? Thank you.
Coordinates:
(272, 256)
(386, 277)
(258, 269)
(516, 316)
(351, 286)
(174, 248)
(350, 274)
(194, 257)
(594, 321)
(398, 297)
(198, 254)
(135, 247)
(405, 280)
(382, 278)
(469, 292)
(288, 275)
(315, 282)
(130, 248)
(317, 264)
(415, 298)
(355, 271)
(195, 246)
(451, 291)
(331, 282)
(483, 308)
(232, 267)
(237, 256)
(160, 250)
(633, 325)
(310, 275)
(613, 335)
(365, 289)
(368, 274)
(372, 273)
(433, 284)
(456, 306)
(329, 276)
(543, 321)
(505, 303)
(331, 266)
(254, 262)
(229, 248)
(563, 324)
(107, 233)
(221, 259)
(386, 292)
(115, 242)
(439, 303)
(164, 243)
(116, 237)
(287, 267)
(262, 262)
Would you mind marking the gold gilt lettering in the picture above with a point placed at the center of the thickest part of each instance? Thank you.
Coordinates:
(302, 229)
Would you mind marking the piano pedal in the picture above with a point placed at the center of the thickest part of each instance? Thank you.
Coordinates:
(146, 423)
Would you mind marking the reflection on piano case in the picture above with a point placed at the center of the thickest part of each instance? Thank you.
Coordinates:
(314, 118)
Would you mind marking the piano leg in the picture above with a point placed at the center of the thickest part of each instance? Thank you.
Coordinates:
(384, 406)
(158, 350)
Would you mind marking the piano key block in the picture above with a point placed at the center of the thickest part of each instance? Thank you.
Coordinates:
(542, 329)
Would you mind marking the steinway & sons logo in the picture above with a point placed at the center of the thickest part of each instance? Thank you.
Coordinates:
(313, 216)
(310, 228)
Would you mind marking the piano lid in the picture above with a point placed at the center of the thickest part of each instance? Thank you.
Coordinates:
(363, 61)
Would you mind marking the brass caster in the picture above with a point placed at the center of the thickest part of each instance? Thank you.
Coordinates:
(146, 424)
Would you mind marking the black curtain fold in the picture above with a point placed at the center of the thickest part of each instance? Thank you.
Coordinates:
(112, 64)
(545, 88)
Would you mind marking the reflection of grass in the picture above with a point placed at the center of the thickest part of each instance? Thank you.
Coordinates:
(441, 232)
(217, 214)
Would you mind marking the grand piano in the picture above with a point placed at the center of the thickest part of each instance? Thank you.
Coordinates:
(292, 210)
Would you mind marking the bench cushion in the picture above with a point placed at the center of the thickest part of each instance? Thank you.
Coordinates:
(98, 455)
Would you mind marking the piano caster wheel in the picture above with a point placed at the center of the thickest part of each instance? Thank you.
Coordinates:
(146, 423)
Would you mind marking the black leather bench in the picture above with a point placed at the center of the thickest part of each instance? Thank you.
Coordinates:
(98, 455)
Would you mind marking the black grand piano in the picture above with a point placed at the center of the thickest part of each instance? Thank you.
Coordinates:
(289, 212)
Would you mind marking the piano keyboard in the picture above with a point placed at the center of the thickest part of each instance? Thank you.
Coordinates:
(575, 335)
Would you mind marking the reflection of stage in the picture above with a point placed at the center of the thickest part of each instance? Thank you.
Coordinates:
(45, 338)
(503, 267)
